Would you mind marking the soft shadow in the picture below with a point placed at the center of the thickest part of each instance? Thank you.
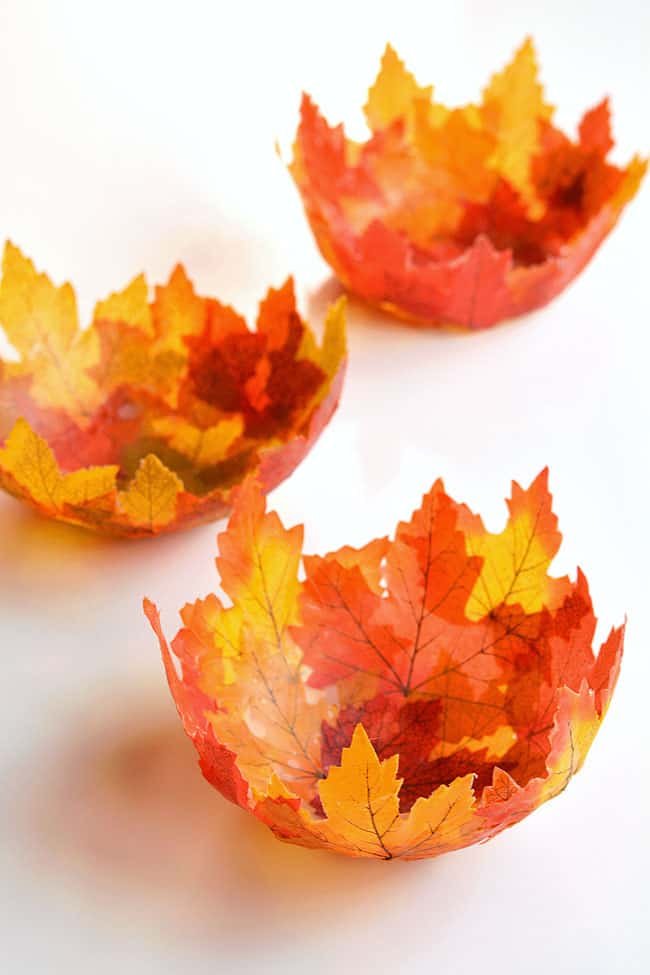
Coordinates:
(124, 806)
(41, 556)
(363, 316)
(37, 548)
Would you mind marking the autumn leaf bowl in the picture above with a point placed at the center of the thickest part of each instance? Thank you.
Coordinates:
(399, 700)
(145, 421)
(461, 217)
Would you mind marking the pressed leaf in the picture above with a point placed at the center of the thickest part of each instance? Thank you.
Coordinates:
(360, 797)
(203, 446)
(438, 823)
(515, 562)
(27, 459)
(149, 418)
(513, 105)
(150, 500)
(130, 306)
(40, 321)
(177, 310)
(401, 699)
(461, 216)
(393, 93)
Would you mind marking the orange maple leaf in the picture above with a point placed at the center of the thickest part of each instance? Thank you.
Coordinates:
(145, 421)
(460, 217)
(399, 700)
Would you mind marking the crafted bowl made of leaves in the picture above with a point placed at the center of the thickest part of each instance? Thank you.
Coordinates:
(463, 216)
(146, 420)
(403, 699)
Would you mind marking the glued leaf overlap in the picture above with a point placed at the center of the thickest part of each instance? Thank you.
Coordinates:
(465, 216)
(146, 421)
(399, 700)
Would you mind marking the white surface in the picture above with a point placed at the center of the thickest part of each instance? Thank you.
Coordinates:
(138, 134)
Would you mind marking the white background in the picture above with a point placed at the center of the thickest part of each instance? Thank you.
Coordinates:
(135, 135)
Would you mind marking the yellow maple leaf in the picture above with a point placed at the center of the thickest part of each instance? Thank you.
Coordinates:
(203, 446)
(30, 461)
(516, 561)
(249, 664)
(128, 359)
(40, 320)
(393, 93)
(86, 485)
(150, 499)
(129, 306)
(576, 725)
(360, 797)
(334, 345)
(259, 568)
(439, 821)
(177, 311)
(513, 105)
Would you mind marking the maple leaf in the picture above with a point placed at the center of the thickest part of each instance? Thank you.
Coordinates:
(394, 92)
(513, 105)
(359, 798)
(129, 305)
(401, 699)
(245, 659)
(40, 320)
(465, 216)
(515, 562)
(29, 469)
(148, 419)
(150, 500)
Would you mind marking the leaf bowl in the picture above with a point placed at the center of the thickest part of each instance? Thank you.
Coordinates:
(466, 216)
(146, 421)
(399, 700)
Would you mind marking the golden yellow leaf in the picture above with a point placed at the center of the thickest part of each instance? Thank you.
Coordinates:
(516, 561)
(259, 569)
(203, 447)
(177, 311)
(249, 663)
(129, 306)
(150, 499)
(32, 309)
(40, 321)
(334, 347)
(85, 485)
(513, 106)
(30, 461)
(393, 92)
(437, 822)
(128, 359)
(360, 797)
